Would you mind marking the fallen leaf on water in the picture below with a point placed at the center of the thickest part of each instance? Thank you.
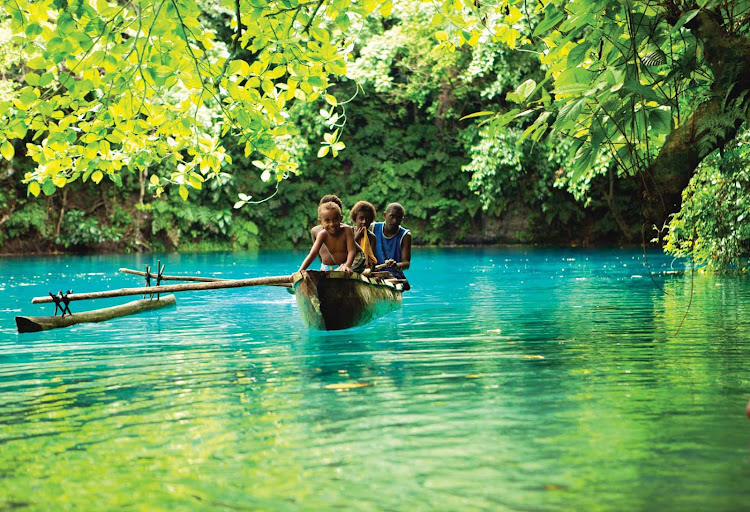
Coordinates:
(553, 487)
(495, 330)
(474, 376)
(533, 357)
(345, 386)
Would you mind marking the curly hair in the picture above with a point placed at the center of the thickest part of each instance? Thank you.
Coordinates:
(330, 205)
(363, 207)
(332, 198)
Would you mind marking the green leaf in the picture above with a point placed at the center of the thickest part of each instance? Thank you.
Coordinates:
(646, 92)
(660, 120)
(578, 53)
(525, 90)
(549, 21)
(571, 89)
(238, 67)
(478, 114)
(27, 96)
(684, 19)
(572, 81)
(569, 113)
(584, 159)
(6, 149)
(48, 188)
(33, 30)
(34, 188)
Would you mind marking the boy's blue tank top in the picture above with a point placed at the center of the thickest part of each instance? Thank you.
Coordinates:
(388, 248)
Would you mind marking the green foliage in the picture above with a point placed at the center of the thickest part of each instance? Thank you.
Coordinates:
(495, 168)
(81, 232)
(244, 234)
(182, 225)
(209, 104)
(29, 218)
(713, 226)
(111, 88)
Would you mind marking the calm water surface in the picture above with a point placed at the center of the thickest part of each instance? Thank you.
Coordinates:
(511, 379)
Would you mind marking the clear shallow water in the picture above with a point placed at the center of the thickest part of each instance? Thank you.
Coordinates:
(511, 380)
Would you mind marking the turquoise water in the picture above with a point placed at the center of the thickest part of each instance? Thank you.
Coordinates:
(511, 379)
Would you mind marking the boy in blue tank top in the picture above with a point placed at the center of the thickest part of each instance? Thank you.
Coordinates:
(393, 241)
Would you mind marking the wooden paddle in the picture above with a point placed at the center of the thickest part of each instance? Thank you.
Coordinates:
(171, 288)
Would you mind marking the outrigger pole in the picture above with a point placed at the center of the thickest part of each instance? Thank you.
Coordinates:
(171, 288)
(200, 279)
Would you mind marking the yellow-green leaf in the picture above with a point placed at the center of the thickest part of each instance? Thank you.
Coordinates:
(477, 114)
(331, 99)
(183, 192)
(97, 176)
(34, 188)
(6, 149)
(195, 182)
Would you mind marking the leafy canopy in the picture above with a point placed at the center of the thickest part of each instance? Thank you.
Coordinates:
(101, 87)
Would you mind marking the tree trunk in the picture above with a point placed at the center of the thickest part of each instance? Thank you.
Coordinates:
(712, 125)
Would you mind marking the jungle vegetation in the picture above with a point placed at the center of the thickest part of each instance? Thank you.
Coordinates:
(184, 124)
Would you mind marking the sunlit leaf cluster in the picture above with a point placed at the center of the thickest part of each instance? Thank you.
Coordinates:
(108, 88)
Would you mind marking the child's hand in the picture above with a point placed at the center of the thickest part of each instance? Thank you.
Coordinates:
(346, 269)
(390, 263)
(358, 231)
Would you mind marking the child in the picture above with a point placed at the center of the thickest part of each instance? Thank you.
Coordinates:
(326, 198)
(334, 242)
(393, 247)
(362, 215)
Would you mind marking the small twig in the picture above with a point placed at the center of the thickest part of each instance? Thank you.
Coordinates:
(645, 257)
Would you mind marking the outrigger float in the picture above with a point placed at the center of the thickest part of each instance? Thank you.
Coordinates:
(328, 300)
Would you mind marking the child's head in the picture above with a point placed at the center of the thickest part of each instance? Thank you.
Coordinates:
(394, 214)
(363, 214)
(332, 198)
(329, 215)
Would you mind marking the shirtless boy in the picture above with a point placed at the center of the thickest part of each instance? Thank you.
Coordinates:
(334, 242)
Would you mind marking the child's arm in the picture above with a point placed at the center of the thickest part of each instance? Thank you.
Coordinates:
(351, 250)
(317, 244)
(405, 252)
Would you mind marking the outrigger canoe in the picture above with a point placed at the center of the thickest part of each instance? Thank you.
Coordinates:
(333, 300)
(326, 300)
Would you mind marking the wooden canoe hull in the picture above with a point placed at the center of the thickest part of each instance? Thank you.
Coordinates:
(45, 323)
(333, 301)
